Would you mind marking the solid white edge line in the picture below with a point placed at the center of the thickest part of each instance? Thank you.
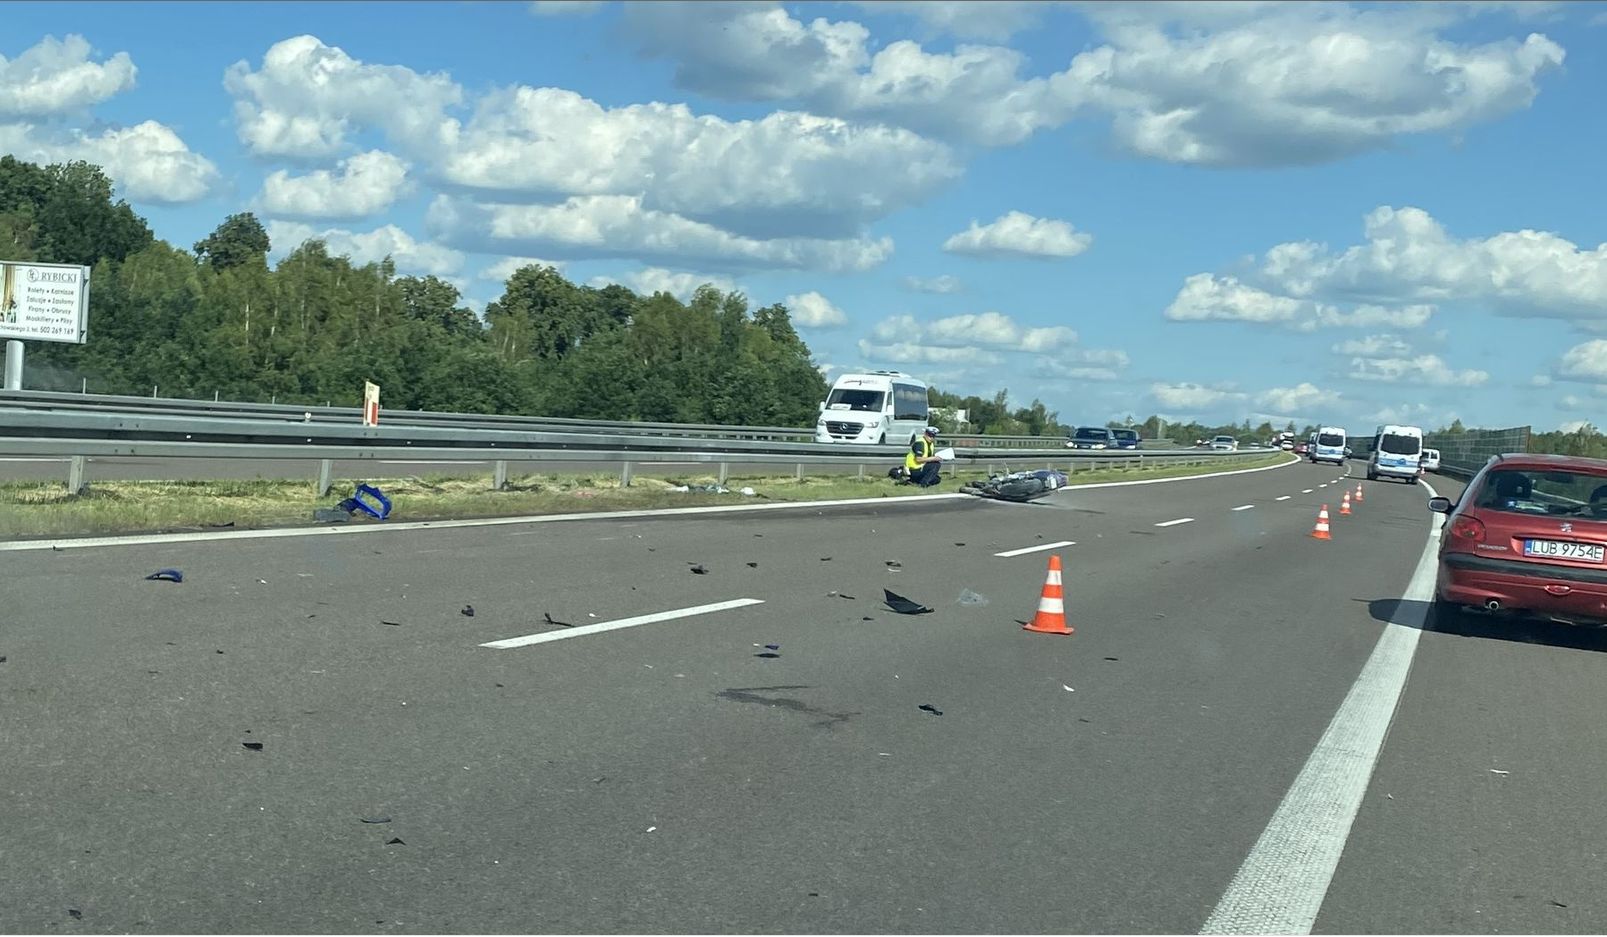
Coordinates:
(1280, 887)
(1284, 497)
(273, 533)
(1181, 520)
(1046, 546)
(559, 635)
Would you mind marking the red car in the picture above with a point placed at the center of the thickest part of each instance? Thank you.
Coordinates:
(1529, 536)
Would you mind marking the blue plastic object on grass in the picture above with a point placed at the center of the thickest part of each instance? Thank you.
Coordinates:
(356, 502)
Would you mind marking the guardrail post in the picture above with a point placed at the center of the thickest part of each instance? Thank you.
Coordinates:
(326, 472)
(862, 472)
(499, 475)
(625, 475)
(800, 471)
(75, 475)
(725, 471)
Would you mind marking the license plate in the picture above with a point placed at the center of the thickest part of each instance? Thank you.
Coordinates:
(1561, 550)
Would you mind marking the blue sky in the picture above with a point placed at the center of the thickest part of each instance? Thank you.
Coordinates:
(1344, 213)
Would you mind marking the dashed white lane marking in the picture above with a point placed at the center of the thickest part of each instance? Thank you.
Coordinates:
(1281, 885)
(601, 626)
(1181, 520)
(1307, 491)
(1046, 546)
(1284, 497)
(1244, 507)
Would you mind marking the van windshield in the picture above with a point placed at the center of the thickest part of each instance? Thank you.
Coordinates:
(1330, 439)
(868, 400)
(1401, 445)
(1088, 432)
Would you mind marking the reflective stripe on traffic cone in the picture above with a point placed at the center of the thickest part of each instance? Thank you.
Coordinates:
(1051, 617)
(1344, 506)
(1359, 498)
(1321, 530)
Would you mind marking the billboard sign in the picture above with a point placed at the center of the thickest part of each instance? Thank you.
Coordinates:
(44, 302)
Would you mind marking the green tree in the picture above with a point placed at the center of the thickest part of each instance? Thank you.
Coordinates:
(239, 240)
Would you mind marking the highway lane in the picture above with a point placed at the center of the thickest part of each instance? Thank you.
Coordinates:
(663, 778)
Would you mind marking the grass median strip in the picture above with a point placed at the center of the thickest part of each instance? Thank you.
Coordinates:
(38, 509)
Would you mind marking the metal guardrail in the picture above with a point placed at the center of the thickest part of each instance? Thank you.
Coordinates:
(79, 435)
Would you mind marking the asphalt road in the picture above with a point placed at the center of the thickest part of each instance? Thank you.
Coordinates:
(664, 778)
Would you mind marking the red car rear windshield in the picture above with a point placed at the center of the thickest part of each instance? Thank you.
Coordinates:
(1538, 491)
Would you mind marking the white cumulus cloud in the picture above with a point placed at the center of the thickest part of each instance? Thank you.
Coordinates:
(1586, 362)
(604, 226)
(148, 161)
(500, 271)
(677, 283)
(1374, 346)
(1190, 396)
(308, 99)
(815, 311)
(1430, 370)
(566, 7)
(1018, 234)
(1302, 399)
(917, 353)
(410, 255)
(363, 185)
(992, 329)
(57, 75)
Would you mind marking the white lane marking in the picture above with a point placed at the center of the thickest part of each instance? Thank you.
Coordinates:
(1323, 485)
(1181, 520)
(1284, 497)
(675, 463)
(1046, 546)
(601, 626)
(1281, 885)
(22, 459)
(147, 539)
(430, 462)
(1244, 507)
(1306, 491)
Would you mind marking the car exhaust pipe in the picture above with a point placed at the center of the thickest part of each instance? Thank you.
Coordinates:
(1494, 605)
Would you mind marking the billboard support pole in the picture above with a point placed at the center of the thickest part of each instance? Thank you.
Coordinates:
(13, 365)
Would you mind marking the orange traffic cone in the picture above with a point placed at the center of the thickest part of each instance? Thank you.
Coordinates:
(1321, 530)
(1359, 498)
(1344, 506)
(1051, 617)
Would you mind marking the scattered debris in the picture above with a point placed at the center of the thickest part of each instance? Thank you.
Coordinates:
(959, 543)
(841, 595)
(702, 489)
(379, 819)
(394, 841)
(700, 570)
(753, 565)
(166, 575)
(224, 524)
(967, 597)
(1500, 772)
(1067, 688)
(393, 624)
(867, 618)
(651, 829)
(468, 611)
(1113, 658)
(252, 746)
(768, 655)
(893, 564)
(75, 914)
(902, 605)
(330, 515)
(1556, 903)
(749, 492)
(2, 658)
(769, 647)
(551, 621)
(825, 559)
(929, 708)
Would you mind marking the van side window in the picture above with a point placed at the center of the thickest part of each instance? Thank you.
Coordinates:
(909, 402)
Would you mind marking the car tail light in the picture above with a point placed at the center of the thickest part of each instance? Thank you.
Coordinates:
(1468, 528)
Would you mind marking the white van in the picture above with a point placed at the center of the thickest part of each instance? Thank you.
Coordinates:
(1329, 446)
(1397, 453)
(874, 408)
(1431, 460)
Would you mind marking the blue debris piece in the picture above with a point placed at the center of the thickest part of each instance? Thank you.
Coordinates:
(167, 575)
(356, 502)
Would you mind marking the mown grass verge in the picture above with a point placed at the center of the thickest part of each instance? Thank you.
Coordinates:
(42, 509)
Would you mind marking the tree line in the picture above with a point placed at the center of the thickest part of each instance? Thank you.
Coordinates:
(217, 320)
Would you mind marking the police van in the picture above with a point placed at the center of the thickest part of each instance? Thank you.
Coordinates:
(1328, 446)
(873, 408)
(1397, 453)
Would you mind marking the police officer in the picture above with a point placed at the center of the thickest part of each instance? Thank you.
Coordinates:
(921, 462)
